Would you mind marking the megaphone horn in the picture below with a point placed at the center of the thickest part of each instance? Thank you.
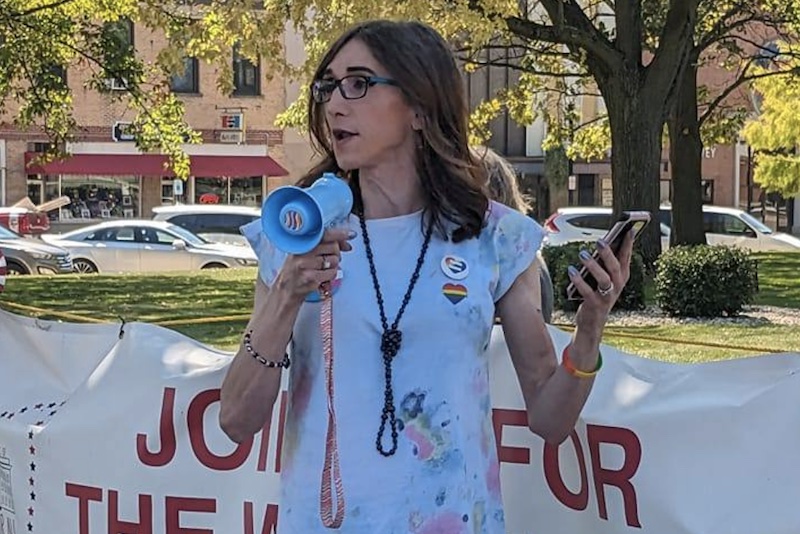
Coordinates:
(295, 219)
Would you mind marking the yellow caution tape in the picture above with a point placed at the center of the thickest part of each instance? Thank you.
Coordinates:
(41, 311)
(609, 332)
(203, 320)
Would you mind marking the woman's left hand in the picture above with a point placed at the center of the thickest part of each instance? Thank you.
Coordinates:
(611, 275)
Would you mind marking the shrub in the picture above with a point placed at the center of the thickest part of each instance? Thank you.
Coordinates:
(560, 257)
(705, 281)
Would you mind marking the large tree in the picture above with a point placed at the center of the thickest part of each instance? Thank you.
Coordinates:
(42, 39)
(775, 134)
(738, 38)
(603, 40)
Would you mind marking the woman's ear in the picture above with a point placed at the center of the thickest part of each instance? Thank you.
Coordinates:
(417, 121)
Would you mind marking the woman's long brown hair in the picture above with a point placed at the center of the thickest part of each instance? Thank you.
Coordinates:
(423, 65)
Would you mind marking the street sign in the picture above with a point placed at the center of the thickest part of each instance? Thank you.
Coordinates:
(232, 121)
(122, 131)
(231, 137)
(177, 187)
(572, 182)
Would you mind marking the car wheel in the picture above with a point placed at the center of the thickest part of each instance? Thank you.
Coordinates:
(14, 269)
(82, 266)
(214, 266)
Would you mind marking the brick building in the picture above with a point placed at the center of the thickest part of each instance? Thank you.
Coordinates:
(241, 158)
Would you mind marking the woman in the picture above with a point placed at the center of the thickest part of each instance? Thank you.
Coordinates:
(503, 188)
(501, 180)
(427, 261)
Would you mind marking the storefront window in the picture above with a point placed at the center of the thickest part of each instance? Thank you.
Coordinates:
(246, 191)
(41, 189)
(35, 190)
(92, 197)
(51, 191)
(211, 191)
(237, 191)
(99, 197)
(167, 191)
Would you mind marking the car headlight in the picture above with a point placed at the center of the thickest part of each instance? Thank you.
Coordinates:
(246, 262)
(42, 255)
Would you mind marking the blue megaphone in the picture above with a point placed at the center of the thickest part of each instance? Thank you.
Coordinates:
(294, 218)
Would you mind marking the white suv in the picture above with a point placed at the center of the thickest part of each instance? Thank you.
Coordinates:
(723, 226)
(218, 223)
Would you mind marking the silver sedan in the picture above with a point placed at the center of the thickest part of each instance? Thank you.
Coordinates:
(146, 246)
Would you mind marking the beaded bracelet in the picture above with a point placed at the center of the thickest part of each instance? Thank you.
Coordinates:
(574, 371)
(248, 346)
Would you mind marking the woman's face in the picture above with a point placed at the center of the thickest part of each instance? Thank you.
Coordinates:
(374, 130)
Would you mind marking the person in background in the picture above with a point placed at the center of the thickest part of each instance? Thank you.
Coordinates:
(393, 411)
(504, 188)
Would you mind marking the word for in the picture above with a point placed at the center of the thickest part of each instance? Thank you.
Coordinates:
(596, 435)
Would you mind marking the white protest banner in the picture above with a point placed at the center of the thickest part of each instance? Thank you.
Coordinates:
(106, 435)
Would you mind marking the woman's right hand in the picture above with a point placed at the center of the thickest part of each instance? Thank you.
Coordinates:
(305, 273)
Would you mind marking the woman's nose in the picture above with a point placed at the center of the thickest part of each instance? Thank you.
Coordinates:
(337, 105)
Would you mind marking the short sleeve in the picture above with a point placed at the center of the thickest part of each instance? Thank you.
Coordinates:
(270, 259)
(516, 239)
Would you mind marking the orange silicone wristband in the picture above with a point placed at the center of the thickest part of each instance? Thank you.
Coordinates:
(574, 371)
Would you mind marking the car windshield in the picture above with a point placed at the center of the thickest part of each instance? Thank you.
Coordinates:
(5, 233)
(755, 223)
(186, 235)
(74, 235)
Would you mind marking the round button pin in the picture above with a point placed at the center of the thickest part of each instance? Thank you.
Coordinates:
(455, 267)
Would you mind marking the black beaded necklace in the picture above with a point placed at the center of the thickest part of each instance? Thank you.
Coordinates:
(392, 337)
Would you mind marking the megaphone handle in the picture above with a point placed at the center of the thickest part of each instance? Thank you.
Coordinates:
(331, 474)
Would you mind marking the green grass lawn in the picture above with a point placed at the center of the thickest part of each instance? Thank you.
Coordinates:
(228, 294)
(779, 279)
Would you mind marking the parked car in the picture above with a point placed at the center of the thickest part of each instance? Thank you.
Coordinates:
(576, 224)
(583, 223)
(146, 246)
(723, 226)
(25, 255)
(218, 223)
(731, 226)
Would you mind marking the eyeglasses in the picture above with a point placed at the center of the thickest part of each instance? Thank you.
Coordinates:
(351, 87)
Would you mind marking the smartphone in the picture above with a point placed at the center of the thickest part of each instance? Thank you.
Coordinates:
(629, 220)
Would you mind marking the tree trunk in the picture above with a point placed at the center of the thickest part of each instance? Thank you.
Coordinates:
(636, 125)
(685, 158)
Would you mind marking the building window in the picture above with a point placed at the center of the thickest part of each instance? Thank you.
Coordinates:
(246, 75)
(707, 189)
(52, 76)
(119, 37)
(91, 197)
(60, 72)
(39, 147)
(167, 191)
(238, 191)
(247, 191)
(120, 33)
(187, 81)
